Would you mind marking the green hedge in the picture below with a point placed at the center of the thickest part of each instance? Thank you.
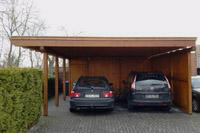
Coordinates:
(20, 99)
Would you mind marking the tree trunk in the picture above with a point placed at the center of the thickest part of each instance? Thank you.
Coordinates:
(9, 55)
(19, 57)
(51, 65)
(31, 57)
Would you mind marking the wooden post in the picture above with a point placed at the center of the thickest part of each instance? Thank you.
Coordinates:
(70, 79)
(189, 70)
(56, 82)
(64, 80)
(45, 77)
(172, 75)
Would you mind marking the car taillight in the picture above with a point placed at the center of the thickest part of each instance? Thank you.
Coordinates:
(133, 84)
(169, 86)
(75, 94)
(108, 94)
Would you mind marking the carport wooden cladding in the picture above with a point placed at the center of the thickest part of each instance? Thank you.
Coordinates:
(116, 57)
(177, 67)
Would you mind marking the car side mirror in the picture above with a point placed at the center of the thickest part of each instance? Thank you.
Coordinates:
(74, 84)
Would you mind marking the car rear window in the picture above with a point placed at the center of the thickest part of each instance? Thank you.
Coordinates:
(91, 83)
(151, 82)
(150, 76)
(195, 83)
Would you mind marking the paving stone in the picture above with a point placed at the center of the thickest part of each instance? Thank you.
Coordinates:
(60, 120)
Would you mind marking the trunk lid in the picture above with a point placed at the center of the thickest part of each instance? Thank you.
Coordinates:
(90, 92)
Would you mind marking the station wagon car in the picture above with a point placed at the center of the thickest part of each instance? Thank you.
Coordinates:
(196, 93)
(149, 89)
(93, 93)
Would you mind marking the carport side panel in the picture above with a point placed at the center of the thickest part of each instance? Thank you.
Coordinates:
(182, 81)
(177, 67)
(189, 56)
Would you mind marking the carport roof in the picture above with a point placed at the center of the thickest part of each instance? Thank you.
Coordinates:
(69, 47)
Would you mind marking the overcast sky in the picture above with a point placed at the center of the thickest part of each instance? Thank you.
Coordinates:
(121, 17)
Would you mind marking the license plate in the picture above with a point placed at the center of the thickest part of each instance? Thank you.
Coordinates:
(92, 95)
(151, 96)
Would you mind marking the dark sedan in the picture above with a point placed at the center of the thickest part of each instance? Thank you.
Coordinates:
(92, 92)
(196, 93)
(150, 89)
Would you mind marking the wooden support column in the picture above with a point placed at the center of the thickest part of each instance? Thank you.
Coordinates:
(56, 83)
(189, 71)
(70, 78)
(64, 80)
(172, 73)
(45, 77)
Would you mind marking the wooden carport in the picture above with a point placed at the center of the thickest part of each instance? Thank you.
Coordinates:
(115, 57)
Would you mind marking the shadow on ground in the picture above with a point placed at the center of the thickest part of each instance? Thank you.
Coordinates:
(122, 106)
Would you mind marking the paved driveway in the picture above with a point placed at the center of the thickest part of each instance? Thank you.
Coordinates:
(60, 120)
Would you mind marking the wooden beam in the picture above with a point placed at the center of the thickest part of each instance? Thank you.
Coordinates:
(104, 41)
(54, 52)
(64, 79)
(45, 77)
(56, 83)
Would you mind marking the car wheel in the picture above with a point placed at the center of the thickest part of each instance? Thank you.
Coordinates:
(167, 108)
(72, 110)
(195, 105)
(111, 109)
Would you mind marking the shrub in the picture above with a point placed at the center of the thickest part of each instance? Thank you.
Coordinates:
(20, 99)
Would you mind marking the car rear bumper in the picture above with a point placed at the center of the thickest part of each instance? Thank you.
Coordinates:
(150, 103)
(106, 103)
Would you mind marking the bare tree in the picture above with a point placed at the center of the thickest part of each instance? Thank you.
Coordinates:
(51, 60)
(1, 34)
(1, 45)
(16, 18)
(38, 57)
(65, 32)
(8, 22)
(31, 57)
(35, 30)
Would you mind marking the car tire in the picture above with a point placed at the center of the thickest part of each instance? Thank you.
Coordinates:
(195, 105)
(72, 110)
(167, 108)
(110, 110)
